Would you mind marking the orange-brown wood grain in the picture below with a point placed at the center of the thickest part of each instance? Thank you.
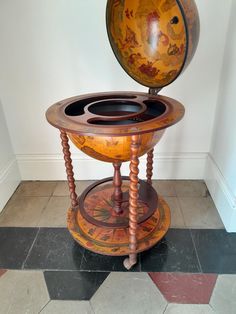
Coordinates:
(114, 149)
(109, 241)
(153, 40)
(79, 124)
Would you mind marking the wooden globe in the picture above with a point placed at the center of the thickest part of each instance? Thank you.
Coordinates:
(153, 40)
(115, 148)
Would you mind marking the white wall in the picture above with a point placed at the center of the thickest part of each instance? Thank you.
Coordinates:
(221, 166)
(53, 49)
(9, 173)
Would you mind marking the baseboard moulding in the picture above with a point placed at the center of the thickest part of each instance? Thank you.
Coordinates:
(9, 180)
(166, 166)
(221, 194)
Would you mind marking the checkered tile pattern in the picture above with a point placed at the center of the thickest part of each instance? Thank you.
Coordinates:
(42, 270)
(131, 293)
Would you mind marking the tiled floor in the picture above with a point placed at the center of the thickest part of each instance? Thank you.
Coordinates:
(42, 270)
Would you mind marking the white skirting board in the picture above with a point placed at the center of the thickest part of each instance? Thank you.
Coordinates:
(166, 166)
(223, 197)
(9, 180)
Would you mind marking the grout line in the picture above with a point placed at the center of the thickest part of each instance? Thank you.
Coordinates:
(80, 265)
(45, 306)
(200, 266)
(80, 271)
(43, 210)
(173, 185)
(180, 207)
(212, 306)
(92, 305)
(53, 190)
(36, 236)
(82, 258)
(165, 308)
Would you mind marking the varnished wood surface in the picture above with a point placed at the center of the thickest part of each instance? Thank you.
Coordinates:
(96, 203)
(153, 40)
(117, 184)
(133, 202)
(69, 168)
(79, 124)
(149, 168)
(114, 149)
(108, 241)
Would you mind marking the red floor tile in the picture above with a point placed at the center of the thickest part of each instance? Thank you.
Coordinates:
(185, 288)
(2, 271)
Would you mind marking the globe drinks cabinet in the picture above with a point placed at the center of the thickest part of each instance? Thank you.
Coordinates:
(154, 41)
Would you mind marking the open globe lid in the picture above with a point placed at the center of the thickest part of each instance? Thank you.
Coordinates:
(153, 40)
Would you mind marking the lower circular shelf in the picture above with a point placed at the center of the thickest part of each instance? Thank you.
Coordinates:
(113, 241)
(96, 203)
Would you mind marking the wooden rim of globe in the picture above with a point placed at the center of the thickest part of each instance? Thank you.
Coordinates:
(120, 113)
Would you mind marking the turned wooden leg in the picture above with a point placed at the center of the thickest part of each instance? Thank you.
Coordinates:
(149, 166)
(117, 183)
(133, 202)
(69, 168)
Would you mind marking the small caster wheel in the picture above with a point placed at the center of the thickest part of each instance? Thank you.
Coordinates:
(129, 263)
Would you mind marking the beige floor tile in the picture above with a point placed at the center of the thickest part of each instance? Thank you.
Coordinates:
(189, 309)
(70, 307)
(177, 220)
(223, 299)
(22, 292)
(23, 211)
(190, 188)
(54, 215)
(164, 187)
(200, 212)
(63, 190)
(128, 293)
(36, 188)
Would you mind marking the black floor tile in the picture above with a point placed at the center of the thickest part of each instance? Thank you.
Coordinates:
(54, 248)
(73, 285)
(216, 250)
(175, 253)
(97, 262)
(14, 246)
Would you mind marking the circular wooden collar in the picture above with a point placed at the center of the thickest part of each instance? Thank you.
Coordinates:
(115, 113)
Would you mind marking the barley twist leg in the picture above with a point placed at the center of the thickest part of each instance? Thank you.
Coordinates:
(117, 183)
(69, 168)
(149, 166)
(133, 202)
